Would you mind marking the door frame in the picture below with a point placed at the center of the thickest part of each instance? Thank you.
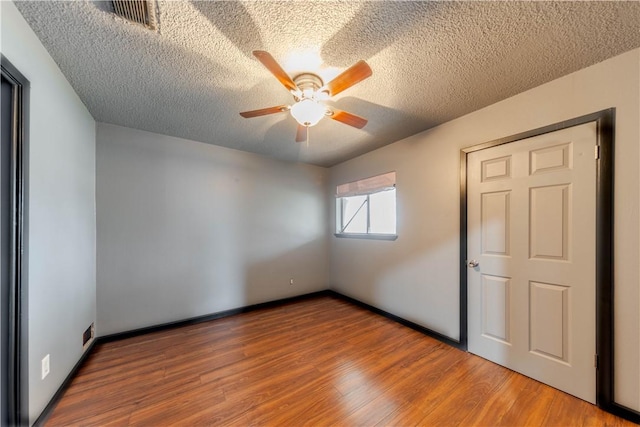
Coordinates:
(18, 381)
(605, 121)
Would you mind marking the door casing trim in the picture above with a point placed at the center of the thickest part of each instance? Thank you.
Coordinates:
(605, 120)
(18, 387)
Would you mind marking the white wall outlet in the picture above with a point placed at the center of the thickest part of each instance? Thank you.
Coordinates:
(291, 281)
(45, 366)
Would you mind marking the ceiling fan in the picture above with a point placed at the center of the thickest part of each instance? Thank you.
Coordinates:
(308, 92)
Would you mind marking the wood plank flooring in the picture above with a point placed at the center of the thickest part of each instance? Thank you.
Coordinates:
(316, 362)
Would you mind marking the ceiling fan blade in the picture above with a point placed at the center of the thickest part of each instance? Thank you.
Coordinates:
(352, 75)
(348, 118)
(264, 111)
(270, 63)
(301, 133)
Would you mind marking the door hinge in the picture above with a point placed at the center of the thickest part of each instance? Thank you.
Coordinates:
(596, 361)
(597, 152)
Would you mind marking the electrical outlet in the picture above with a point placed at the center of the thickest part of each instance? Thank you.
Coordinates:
(45, 366)
(291, 281)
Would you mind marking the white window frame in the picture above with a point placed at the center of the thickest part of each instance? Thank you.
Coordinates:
(364, 187)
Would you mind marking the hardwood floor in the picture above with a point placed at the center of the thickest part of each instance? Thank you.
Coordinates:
(315, 362)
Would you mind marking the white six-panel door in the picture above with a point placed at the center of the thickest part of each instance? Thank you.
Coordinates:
(531, 229)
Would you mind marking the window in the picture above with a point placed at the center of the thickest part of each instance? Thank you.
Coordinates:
(367, 208)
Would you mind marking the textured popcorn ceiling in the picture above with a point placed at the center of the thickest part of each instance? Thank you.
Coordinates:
(431, 61)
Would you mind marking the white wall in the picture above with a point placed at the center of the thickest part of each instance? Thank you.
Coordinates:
(62, 262)
(416, 277)
(187, 229)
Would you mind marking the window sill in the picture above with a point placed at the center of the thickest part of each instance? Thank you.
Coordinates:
(366, 236)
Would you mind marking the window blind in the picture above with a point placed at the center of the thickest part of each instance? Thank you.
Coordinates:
(371, 185)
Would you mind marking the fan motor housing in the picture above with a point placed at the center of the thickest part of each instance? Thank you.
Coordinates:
(306, 81)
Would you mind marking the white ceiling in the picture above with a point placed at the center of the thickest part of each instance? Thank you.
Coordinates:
(431, 61)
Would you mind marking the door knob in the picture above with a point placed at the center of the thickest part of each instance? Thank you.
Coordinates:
(473, 263)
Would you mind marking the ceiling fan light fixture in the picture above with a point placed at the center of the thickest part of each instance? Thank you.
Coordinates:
(322, 95)
(308, 92)
(308, 112)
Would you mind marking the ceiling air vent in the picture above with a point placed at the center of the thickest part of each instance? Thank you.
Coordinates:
(139, 11)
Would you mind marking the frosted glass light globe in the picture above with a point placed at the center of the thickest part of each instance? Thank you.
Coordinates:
(308, 112)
